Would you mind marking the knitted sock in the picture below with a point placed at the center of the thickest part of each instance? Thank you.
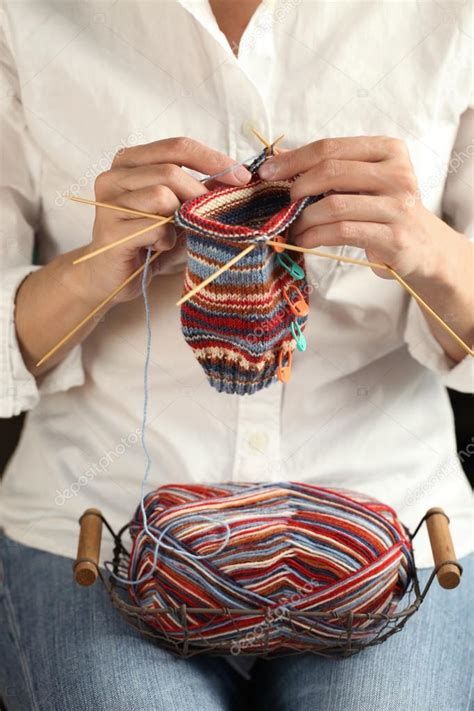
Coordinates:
(239, 323)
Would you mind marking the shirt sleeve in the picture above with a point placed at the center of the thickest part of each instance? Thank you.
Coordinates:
(20, 214)
(458, 212)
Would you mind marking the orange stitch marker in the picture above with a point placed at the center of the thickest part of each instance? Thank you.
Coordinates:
(299, 307)
(284, 371)
(282, 238)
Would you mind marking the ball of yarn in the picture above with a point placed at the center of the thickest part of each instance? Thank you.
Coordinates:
(267, 550)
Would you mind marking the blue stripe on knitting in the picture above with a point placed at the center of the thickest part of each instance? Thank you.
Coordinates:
(259, 267)
(213, 233)
(230, 371)
(231, 387)
(262, 205)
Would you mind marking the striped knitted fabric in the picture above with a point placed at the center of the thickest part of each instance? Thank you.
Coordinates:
(238, 324)
(299, 546)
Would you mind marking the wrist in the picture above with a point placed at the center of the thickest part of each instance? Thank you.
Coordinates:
(447, 257)
(79, 280)
(447, 284)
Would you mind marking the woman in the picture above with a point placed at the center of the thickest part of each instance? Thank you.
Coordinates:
(374, 101)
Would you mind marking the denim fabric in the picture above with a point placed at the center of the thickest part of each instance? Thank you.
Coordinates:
(65, 648)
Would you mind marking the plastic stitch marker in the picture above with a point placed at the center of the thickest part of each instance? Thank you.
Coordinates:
(281, 238)
(291, 267)
(299, 307)
(298, 335)
(284, 371)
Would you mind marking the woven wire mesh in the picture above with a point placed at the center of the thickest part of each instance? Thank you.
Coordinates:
(257, 638)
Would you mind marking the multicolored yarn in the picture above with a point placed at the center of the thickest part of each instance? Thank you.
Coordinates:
(238, 324)
(290, 546)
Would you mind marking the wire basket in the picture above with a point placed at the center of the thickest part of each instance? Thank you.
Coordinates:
(260, 622)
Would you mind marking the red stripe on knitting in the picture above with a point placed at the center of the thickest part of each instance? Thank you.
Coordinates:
(278, 219)
(236, 324)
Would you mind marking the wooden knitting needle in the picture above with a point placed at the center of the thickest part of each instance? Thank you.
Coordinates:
(267, 144)
(136, 273)
(349, 260)
(428, 308)
(243, 253)
(295, 248)
(375, 265)
(95, 311)
(214, 275)
(139, 213)
(162, 220)
(106, 247)
(327, 255)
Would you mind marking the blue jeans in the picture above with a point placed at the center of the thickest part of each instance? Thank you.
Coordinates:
(65, 648)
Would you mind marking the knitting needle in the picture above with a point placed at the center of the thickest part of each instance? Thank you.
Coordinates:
(243, 253)
(327, 255)
(121, 286)
(266, 143)
(94, 311)
(162, 220)
(428, 308)
(140, 213)
(295, 248)
(116, 207)
(106, 247)
(375, 265)
(214, 275)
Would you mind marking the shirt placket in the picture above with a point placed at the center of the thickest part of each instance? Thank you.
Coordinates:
(245, 85)
(257, 441)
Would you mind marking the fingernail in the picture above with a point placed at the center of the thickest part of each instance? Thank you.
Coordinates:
(268, 169)
(242, 174)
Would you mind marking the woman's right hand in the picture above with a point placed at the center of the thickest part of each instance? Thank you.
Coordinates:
(149, 178)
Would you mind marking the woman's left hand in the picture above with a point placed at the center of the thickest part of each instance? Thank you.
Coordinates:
(375, 204)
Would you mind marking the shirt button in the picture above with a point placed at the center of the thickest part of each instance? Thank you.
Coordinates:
(258, 441)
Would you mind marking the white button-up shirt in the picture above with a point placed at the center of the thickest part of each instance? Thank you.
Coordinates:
(366, 407)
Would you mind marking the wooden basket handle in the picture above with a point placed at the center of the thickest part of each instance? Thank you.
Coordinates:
(437, 523)
(86, 567)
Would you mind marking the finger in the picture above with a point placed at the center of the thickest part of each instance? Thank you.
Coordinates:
(170, 175)
(372, 236)
(136, 234)
(158, 200)
(351, 176)
(183, 151)
(359, 148)
(339, 208)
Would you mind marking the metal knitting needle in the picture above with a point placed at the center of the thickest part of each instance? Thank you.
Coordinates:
(94, 311)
